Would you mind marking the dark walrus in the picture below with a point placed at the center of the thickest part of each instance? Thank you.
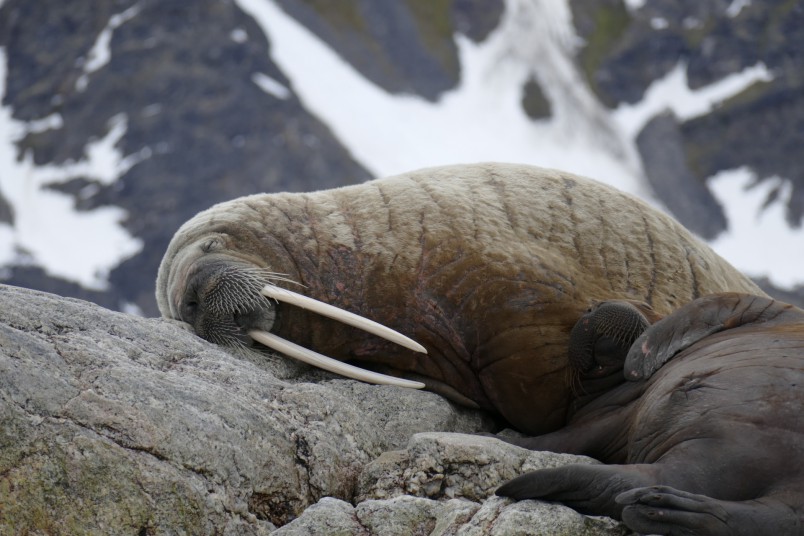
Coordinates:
(708, 440)
(488, 266)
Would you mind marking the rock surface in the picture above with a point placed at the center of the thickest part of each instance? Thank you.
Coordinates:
(116, 424)
(443, 484)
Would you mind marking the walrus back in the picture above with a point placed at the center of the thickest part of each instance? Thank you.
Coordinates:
(487, 265)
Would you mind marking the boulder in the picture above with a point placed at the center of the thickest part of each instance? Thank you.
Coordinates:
(442, 484)
(117, 424)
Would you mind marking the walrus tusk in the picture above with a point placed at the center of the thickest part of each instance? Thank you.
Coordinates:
(346, 317)
(310, 357)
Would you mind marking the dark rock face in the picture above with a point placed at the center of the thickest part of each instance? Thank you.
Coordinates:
(534, 102)
(405, 46)
(661, 146)
(761, 128)
(205, 130)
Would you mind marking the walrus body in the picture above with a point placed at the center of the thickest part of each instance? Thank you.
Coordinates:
(487, 266)
(710, 438)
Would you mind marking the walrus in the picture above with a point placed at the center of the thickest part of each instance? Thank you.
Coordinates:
(708, 436)
(486, 266)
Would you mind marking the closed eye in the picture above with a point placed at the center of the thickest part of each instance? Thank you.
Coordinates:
(189, 311)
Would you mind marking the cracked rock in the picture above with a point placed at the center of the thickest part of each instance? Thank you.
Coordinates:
(442, 484)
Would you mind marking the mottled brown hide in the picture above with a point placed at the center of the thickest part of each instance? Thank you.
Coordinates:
(488, 266)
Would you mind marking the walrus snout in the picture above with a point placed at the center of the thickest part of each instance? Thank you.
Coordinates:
(600, 340)
(230, 302)
(220, 300)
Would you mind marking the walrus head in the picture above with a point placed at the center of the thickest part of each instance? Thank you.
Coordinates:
(599, 343)
(233, 300)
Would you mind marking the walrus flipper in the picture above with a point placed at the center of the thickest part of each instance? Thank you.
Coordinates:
(696, 321)
(589, 489)
(666, 510)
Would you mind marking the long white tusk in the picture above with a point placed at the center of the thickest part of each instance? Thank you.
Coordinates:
(341, 315)
(310, 357)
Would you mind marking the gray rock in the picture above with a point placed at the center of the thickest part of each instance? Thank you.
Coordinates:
(625, 51)
(443, 465)
(404, 47)
(114, 424)
(442, 484)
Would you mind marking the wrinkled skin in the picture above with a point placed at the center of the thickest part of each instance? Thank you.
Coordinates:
(707, 439)
(488, 266)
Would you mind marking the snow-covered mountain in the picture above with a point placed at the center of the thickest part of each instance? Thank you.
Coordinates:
(120, 121)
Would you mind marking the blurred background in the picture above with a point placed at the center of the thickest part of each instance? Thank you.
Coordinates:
(121, 119)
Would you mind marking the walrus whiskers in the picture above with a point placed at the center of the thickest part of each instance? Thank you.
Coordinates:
(317, 360)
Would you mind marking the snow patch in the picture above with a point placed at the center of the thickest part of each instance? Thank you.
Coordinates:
(736, 6)
(759, 240)
(239, 35)
(633, 5)
(672, 92)
(47, 230)
(480, 120)
(101, 52)
(53, 121)
(131, 309)
(271, 86)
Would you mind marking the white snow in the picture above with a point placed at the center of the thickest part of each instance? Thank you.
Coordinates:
(750, 231)
(633, 5)
(672, 92)
(48, 231)
(100, 53)
(270, 85)
(736, 6)
(758, 240)
(239, 35)
(53, 121)
(482, 119)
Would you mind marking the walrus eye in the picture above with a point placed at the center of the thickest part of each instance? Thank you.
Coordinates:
(189, 311)
(209, 245)
(327, 363)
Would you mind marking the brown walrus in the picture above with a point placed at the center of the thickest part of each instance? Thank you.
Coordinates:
(709, 437)
(488, 266)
